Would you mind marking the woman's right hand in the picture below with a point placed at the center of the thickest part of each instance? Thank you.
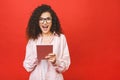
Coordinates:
(51, 57)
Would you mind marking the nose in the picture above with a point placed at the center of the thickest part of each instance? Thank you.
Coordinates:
(45, 22)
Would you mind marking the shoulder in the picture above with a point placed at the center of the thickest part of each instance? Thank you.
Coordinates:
(62, 36)
(31, 42)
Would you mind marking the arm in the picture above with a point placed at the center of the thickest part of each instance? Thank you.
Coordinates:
(63, 60)
(30, 60)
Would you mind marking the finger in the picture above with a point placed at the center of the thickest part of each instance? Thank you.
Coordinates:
(47, 57)
(51, 60)
(51, 54)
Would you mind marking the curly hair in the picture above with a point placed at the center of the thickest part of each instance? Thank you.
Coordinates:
(33, 29)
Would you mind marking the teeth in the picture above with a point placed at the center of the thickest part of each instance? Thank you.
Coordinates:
(45, 26)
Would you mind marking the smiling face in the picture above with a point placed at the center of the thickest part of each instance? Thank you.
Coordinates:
(45, 22)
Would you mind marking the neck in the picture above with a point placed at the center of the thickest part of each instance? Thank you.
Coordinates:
(46, 34)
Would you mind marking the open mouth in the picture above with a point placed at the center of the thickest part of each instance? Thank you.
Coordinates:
(45, 28)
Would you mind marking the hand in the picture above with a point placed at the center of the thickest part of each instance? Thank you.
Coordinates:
(51, 57)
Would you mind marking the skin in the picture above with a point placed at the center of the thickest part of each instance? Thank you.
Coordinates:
(45, 27)
(46, 33)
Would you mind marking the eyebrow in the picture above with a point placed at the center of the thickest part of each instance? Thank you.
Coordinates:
(45, 17)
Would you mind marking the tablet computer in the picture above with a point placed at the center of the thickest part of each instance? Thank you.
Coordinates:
(43, 50)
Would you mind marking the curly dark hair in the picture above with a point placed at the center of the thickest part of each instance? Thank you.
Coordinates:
(33, 29)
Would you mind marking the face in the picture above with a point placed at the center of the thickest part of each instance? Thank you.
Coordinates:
(45, 22)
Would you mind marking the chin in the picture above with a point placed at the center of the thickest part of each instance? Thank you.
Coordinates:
(45, 32)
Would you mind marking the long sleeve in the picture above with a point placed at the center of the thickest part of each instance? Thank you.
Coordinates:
(30, 60)
(63, 60)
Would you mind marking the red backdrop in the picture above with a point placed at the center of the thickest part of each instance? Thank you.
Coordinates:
(92, 28)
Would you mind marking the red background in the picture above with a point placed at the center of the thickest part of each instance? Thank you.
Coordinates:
(92, 28)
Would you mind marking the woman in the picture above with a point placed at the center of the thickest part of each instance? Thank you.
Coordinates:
(44, 29)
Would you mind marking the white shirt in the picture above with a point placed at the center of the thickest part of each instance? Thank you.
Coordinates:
(44, 70)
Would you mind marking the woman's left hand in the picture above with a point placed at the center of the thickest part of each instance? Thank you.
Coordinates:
(51, 57)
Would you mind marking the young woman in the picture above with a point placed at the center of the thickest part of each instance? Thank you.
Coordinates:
(44, 29)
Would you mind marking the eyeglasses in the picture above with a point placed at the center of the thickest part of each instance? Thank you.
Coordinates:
(48, 20)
